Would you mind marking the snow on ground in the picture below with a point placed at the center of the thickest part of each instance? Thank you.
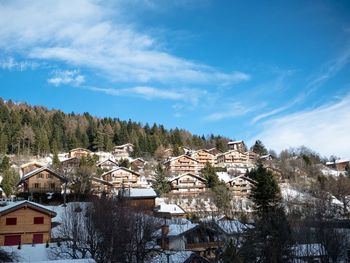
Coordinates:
(174, 257)
(39, 253)
(290, 193)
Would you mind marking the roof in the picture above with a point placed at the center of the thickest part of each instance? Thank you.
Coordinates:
(36, 171)
(190, 174)
(235, 142)
(120, 168)
(177, 157)
(309, 250)
(179, 229)
(123, 145)
(138, 192)
(99, 180)
(77, 149)
(231, 227)
(12, 207)
(31, 163)
(110, 160)
(138, 159)
(170, 208)
(243, 177)
(338, 161)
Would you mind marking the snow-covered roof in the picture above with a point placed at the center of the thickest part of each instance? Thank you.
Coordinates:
(174, 257)
(231, 227)
(178, 229)
(170, 208)
(242, 177)
(235, 142)
(107, 160)
(138, 192)
(16, 205)
(309, 250)
(36, 171)
(177, 157)
(120, 168)
(189, 174)
(338, 161)
(224, 176)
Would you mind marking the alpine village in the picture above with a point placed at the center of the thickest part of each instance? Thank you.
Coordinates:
(75, 188)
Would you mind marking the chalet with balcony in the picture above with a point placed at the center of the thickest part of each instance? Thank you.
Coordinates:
(28, 167)
(107, 165)
(339, 165)
(123, 177)
(25, 222)
(169, 211)
(237, 146)
(100, 187)
(42, 180)
(187, 183)
(122, 151)
(181, 164)
(70, 164)
(79, 153)
(203, 156)
(232, 157)
(137, 164)
(241, 185)
(215, 151)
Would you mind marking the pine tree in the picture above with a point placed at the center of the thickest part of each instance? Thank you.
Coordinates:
(124, 163)
(9, 181)
(259, 148)
(231, 254)
(161, 184)
(209, 173)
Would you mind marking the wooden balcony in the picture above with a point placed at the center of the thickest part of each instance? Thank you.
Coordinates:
(204, 245)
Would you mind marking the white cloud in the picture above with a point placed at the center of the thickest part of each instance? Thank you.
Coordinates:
(12, 64)
(66, 77)
(82, 33)
(232, 110)
(151, 93)
(324, 129)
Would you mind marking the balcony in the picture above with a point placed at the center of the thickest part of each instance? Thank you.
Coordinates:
(204, 245)
(44, 189)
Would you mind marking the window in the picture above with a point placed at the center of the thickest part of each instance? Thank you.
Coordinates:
(11, 221)
(38, 220)
(38, 238)
(40, 176)
(36, 185)
(52, 186)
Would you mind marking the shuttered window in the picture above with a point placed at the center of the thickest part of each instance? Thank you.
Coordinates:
(11, 221)
(38, 220)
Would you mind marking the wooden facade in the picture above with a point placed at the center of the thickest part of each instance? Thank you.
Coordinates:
(79, 152)
(25, 223)
(232, 157)
(123, 151)
(107, 165)
(42, 180)
(138, 198)
(28, 167)
(137, 164)
(100, 186)
(241, 185)
(181, 164)
(237, 146)
(187, 183)
(122, 177)
(203, 156)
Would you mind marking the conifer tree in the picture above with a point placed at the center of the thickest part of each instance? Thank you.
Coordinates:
(209, 173)
(161, 184)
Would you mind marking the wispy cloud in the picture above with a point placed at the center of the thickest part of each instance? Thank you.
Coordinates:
(324, 129)
(11, 63)
(82, 33)
(66, 77)
(232, 110)
(151, 93)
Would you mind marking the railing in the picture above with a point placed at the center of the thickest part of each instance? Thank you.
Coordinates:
(43, 189)
(204, 245)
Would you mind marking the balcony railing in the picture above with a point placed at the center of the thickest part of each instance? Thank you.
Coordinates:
(44, 189)
(204, 245)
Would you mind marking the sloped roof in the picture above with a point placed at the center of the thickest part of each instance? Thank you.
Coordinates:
(120, 168)
(190, 174)
(77, 149)
(12, 207)
(138, 193)
(99, 180)
(36, 171)
(235, 142)
(243, 177)
(107, 160)
(31, 163)
(170, 208)
(177, 157)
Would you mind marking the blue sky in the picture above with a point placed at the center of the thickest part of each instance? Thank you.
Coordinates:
(277, 71)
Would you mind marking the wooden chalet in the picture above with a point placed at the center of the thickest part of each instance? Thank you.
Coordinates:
(187, 183)
(339, 165)
(122, 177)
(215, 151)
(25, 222)
(70, 163)
(137, 164)
(232, 157)
(123, 151)
(203, 156)
(107, 165)
(237, 146)
(100, 187)
(79, 152)
(42, 180)
(28, 167)
(181, 164)
(241, 185)
(140, 198)
(169, 211)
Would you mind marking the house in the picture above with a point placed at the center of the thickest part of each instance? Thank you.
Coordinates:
(339, 165)
(267, 157)
(169, 211)
(181, 164)
(309, 253)
(215, 151)
(123, 151)
(123, 177)
(187, 183)
(28, 167)
(100, 186)
(25, 222)
(231, 158)
(203, 157)
(79, 153)
(241, 185)
(137, 164)
(237, 146)
(43, 179)
(107, 165)
(141, 198)
(70, 164)
(204, 238)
